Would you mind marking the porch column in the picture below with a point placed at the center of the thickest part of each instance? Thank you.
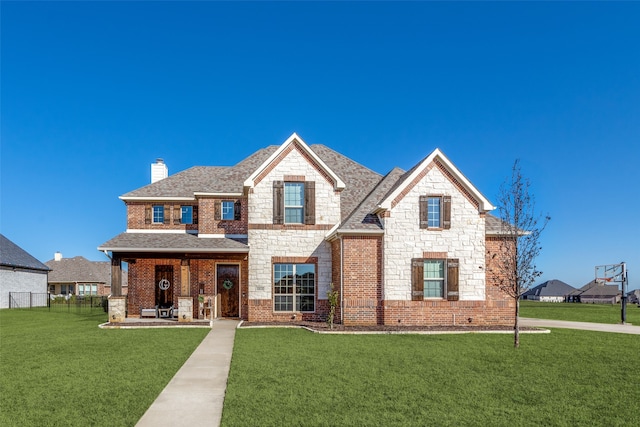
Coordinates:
(116, 276)
(185, 301)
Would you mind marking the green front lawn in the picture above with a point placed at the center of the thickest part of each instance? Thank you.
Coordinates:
(60, 369)
(285, 377)
(598, 313)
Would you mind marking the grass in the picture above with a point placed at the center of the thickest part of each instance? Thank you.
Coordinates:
(598, 313)
(59, 368)
(566, 378)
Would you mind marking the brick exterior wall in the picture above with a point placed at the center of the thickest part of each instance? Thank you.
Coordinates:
(136, 216)
(209, 225)
(362, 275)
(202, 278)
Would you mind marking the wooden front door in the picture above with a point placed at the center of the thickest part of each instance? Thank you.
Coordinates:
(228, 284)
(164, 285)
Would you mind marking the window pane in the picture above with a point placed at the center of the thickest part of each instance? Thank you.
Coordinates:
(186, 216)
(294, 287)
(227, 210)
(158, 214)
(433, 278)
(433, 212)
(293, 202)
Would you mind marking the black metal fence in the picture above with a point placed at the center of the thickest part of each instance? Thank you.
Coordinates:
(75, 303)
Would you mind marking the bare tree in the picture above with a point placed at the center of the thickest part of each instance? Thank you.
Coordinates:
(513, 265)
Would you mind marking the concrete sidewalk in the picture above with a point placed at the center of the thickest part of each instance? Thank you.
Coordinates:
(195, 395)
(587, 326)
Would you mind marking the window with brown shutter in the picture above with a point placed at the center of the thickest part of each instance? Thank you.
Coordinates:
(446, 212)
(417, 279)
(278, 202)
(217, 210)
(147, 214)
(424, 220)
(167, 214)
(177, 214)
(309, 202)
(237, 210)
(195, 214)
(453, 293)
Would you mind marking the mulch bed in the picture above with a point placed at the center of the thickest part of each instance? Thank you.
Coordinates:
(324, 327)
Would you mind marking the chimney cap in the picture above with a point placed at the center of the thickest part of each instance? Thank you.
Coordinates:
(159, 160)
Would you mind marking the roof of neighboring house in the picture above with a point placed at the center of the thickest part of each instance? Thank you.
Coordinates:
(595, 289)
(78, 269)
(172, 242)
(12, 255)
(550, 288)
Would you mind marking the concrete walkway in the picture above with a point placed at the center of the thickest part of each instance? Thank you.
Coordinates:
(587, 326)
(195, 395)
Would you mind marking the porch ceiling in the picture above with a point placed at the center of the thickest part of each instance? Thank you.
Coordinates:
(168, 243)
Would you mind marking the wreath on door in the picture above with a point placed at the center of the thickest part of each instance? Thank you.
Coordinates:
(227, 284)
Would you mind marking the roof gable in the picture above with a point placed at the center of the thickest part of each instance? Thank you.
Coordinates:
(438, 160)
(294, 142)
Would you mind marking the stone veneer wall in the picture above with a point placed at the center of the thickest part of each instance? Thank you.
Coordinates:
(497, 308)
(289, 240)
(404, 240)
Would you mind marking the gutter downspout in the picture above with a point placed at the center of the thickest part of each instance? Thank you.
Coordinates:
(341, 282)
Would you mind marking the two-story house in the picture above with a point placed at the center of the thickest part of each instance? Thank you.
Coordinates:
(265, 239)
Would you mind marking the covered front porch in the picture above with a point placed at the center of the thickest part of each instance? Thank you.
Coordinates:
(182, 278)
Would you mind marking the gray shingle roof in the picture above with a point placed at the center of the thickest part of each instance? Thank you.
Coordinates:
(205, 179)
(551, 288)
(172, 242)
(359, 180)
(595, 289)
(361, 218)
(12, 255)
(78, 269)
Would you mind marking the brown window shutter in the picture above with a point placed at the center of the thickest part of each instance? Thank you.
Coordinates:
(195, 214)
(309, 202)
(176, 214)
(217, 210)
(147, 215)
(278, 202)
(237, 210)
(167, 214)
(446, 212)
(452, 280)
(417, 279)
(424, 220)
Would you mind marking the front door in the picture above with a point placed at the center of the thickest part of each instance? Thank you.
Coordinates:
(228, 280)
(164, 285)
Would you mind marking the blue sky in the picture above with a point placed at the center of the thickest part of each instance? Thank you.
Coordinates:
(93, 92)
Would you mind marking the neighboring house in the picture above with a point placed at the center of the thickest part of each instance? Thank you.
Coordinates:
(549, 291)
(596, 293)
(266, 238)
(79, 276)
(633, 297)
(20, 273)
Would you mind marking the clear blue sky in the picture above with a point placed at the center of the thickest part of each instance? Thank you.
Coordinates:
(93, 92)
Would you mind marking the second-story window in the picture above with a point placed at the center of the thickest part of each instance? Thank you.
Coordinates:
(228, 210)
(186, 214)
(435, 212)
(293, 202)
(158, 214)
